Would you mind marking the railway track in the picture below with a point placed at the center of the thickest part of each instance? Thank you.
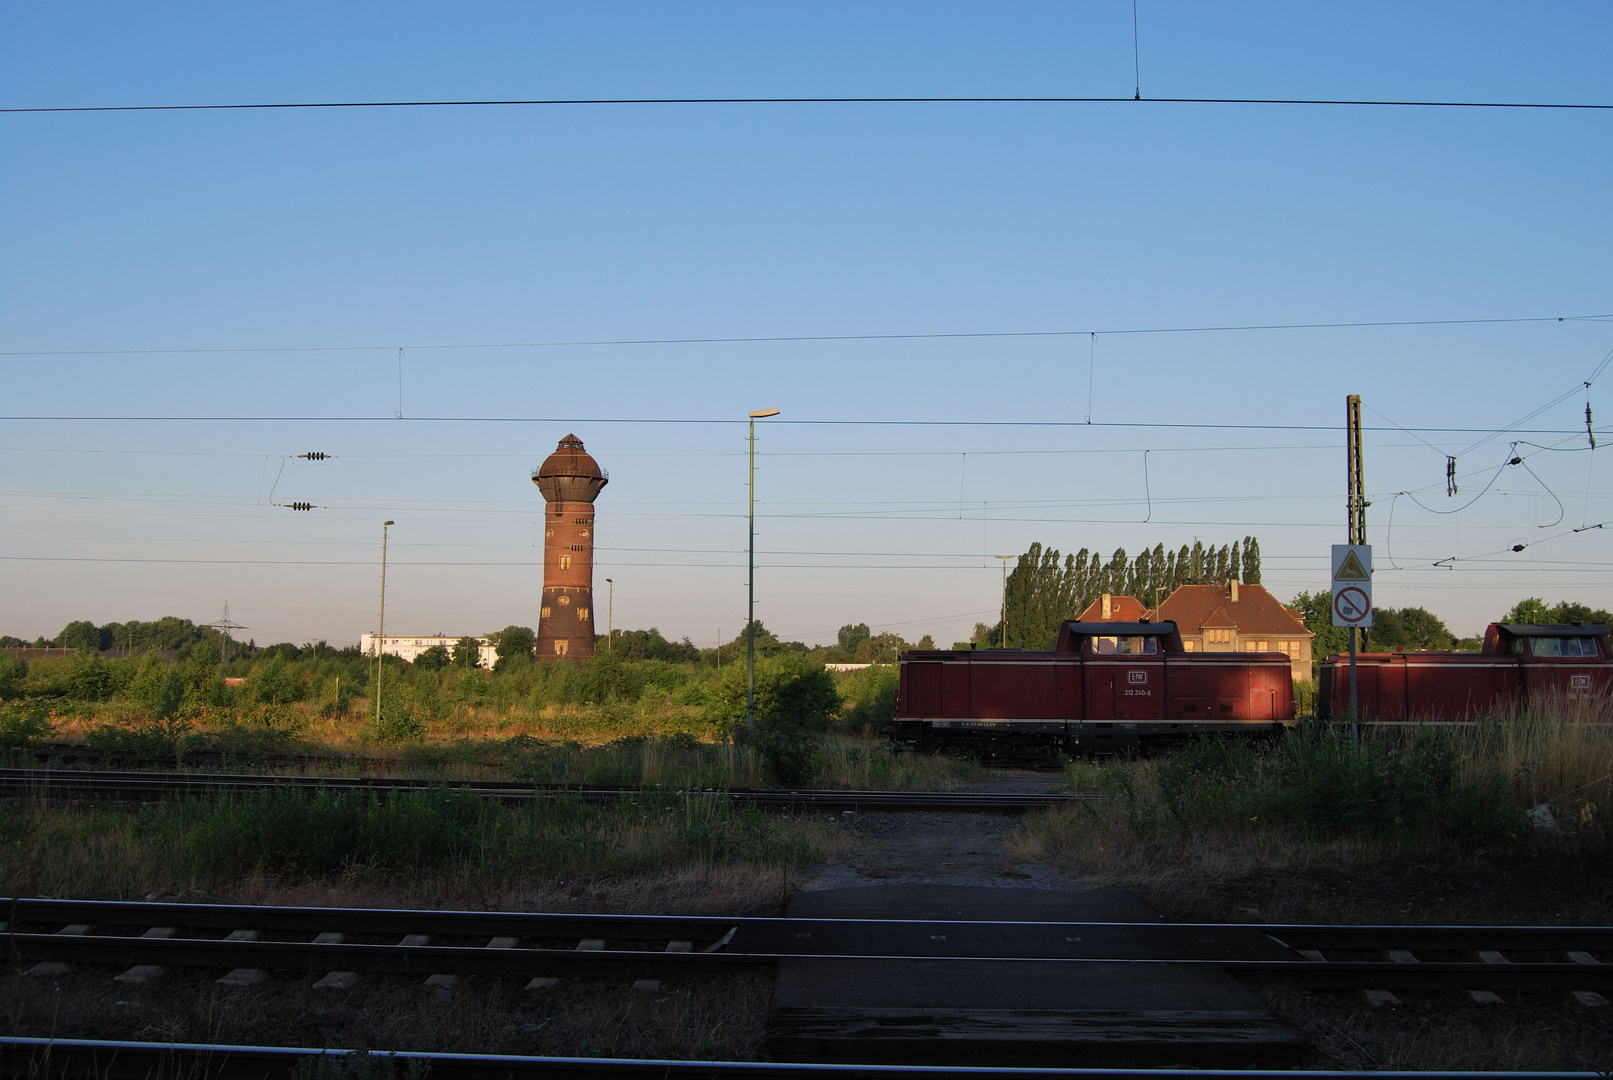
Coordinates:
(153, 786)
(248, 943)
(105, 1060)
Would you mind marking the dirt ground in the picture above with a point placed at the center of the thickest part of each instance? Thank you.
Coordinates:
(1564, 880)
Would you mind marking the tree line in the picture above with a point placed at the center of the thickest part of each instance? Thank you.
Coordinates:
(1415, 628)
(1044, 592)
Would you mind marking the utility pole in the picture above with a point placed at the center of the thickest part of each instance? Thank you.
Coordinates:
(750, 611)
(380, 627)
(1356, 509)
(1005, 559)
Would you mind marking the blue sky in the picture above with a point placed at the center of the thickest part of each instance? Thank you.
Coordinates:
(132, 232)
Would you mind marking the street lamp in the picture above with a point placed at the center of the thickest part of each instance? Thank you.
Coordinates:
(380, 628)
(750, 611)
(1005, 559)
(610, 615)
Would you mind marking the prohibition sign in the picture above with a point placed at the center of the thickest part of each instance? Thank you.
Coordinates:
(1351, 605)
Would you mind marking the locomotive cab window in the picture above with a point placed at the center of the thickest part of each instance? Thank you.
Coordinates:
(1125, 646)
(1567, 646)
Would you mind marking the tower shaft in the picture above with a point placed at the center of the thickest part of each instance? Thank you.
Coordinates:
(566, 622)
(570, 480)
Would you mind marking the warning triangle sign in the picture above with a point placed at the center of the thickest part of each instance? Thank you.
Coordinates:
(1351, 569)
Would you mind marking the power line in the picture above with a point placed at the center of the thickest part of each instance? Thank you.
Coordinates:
(729, 421)
(789, 338)
(1521, 567)
(273, 106)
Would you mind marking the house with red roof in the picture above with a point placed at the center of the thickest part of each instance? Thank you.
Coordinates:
(1108, 608)
(1219, 618)
(1238, 618)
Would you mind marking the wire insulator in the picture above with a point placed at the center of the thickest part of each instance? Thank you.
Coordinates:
(314, 455)
(1450, 476)
(1519, 547)
(300, 506)
(1589, 434)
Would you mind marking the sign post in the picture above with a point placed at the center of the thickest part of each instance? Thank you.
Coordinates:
(1352, 607)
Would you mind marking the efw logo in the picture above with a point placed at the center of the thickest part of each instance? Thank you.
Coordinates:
(1137, 676)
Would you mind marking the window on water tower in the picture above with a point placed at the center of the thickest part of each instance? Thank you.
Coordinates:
(582, 614)
(545, 613)
(565, 562)
(561, 646)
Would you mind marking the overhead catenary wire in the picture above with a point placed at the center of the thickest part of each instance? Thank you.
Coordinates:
(802, 338)
(720, 421)
(824, 99)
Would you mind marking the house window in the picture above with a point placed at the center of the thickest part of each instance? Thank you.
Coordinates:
(1218, 636)
(1188, 645)
(1260, 646)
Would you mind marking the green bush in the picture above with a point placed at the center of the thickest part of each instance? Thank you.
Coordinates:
(13, 670)
(272, 683)
(796, 703)
(22, 723)
(87, 677)
(156, 688)
(872, 696)
(1315, 784)
(400, 720)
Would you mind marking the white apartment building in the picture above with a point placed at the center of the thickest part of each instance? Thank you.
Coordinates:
(409, 646)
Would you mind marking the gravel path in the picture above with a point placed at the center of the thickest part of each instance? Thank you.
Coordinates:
(933, 849)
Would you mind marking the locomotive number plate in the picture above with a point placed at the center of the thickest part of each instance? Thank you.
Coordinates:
(1139, 693)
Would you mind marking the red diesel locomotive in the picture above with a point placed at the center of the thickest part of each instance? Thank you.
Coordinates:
(1106, 687)
(1517, 662)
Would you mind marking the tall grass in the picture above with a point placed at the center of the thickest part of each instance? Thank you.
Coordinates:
(345, 839)
(838, 763)
(1222, 806)
(1556, 749)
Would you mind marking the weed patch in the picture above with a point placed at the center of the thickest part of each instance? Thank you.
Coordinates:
(288, 838)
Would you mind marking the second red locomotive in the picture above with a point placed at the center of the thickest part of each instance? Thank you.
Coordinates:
(1518, 663)
(1105, 687)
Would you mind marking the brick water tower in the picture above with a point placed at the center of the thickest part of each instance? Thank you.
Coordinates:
(570, 480)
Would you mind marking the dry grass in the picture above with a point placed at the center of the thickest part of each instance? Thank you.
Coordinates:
(1180, 842)
(1444, 1032)
(436, 848)
(623, 745)
(722, 1017)
(1558, 750)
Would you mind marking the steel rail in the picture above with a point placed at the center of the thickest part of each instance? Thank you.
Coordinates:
(528, 962)
(50, 910)
(81, 1059)
(1253, 950)
(151, 786)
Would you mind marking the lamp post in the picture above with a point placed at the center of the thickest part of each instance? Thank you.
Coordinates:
(1005, 559)
(750, 610)
(380, 628)
(610, 614)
